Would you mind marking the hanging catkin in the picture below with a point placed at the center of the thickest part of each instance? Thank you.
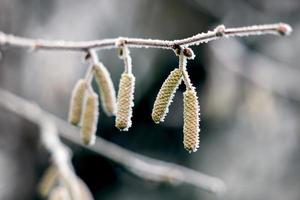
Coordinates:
(106, 89)
(191, 120)
(89, 120)
(77, 101)
(165, 95)
(125, 102)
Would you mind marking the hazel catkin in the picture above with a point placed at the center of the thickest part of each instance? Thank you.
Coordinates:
(125, 102)
(191, 120)
(106, 89)
(89, 120)
(165, 95)
(77, 99)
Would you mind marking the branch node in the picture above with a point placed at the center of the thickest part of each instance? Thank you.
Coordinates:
(87, 56)
(220, 30)
(177, 49)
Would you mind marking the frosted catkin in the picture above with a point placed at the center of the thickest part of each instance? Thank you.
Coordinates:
(106, 89)
(77, 99)
(191, 120)
(125, 102)
(165, 95)
(89, 120)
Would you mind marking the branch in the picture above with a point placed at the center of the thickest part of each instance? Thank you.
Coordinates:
(142, 166)
(218, 32)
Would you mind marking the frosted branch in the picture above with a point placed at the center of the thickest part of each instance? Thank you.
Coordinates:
(219, 32)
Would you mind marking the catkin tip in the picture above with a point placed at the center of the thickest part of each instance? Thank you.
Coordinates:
(125, 102)
(191, 120)
(165, 96)
(89, 120)
(106, 89)
(77, 101)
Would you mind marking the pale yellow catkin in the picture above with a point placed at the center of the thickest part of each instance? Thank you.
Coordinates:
(89, 120)
(191, 120)
(76, 103)
(165, 95)
(59, 193)
(125, 102)
(48, 181)
(106, 89)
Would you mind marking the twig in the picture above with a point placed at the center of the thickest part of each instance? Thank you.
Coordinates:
(219, 32)
(142, 166)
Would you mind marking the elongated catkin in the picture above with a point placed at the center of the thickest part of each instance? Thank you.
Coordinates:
(165, 95)
(125, 102)
(106, 89)
(77, 99)
(191, 120)
(89, 120)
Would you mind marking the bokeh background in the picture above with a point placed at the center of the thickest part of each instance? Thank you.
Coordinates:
(248, 88)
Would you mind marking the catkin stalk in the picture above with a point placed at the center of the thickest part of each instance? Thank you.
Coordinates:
(165, 95)
(89, 120)
(125, 102)
(106, 89)
(191, 120)
(77, 99)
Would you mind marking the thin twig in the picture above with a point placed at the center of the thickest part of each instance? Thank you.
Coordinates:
(219, 32)
(142, 166)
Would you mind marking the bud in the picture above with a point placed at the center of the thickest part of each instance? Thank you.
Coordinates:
(191, 120)
(106, 89)
(165, 95)
(77, 101)
(89, 120)
(125, 102)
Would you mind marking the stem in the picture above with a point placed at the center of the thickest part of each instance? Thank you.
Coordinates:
(127, 60)
(89, 74)
(182, 66)
(277, 29)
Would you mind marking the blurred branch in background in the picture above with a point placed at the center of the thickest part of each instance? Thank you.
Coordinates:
(142, 166)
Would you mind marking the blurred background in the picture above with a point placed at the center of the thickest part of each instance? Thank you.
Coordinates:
(248, 88)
